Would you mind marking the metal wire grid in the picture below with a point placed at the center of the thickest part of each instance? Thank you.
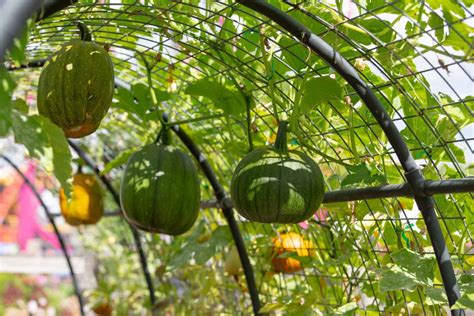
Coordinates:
(59, 36)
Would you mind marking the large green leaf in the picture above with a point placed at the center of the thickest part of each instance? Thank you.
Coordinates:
(315, 91)
(436, 296)
(294, 53)
(466, 284)
(61, 154)
(46, 142)
(410, 269)
(230, 101)
(437, 23)
(362, 173)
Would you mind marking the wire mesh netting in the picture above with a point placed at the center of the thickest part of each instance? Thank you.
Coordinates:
(372, 255)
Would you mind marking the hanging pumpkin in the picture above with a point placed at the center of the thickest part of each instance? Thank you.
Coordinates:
(160, 190)
(103, 309)
(232, 264)
(76, 86)
(86, 205)
(290, 242)
(275, 185)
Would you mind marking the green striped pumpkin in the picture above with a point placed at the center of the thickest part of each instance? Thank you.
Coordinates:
(274, 185)
(160, 190)
(76, 86)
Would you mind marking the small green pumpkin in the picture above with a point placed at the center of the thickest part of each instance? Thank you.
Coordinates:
(160, 190)
(76, 86)
(274, 185)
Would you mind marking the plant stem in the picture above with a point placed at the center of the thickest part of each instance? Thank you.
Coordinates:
(86, 34)
(281, 145)
(196, 119)
(319, 152)
(352, 135)
(247, 99)
(154, 100)
(249, 122)
(267, 61)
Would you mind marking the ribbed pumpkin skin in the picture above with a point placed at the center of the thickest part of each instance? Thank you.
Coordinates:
(86, 206)
(160, 190)
(273, 187)
(76, 86)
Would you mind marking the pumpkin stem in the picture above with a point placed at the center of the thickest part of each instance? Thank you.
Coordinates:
(280, 142)
(86, 34)
(164, 136)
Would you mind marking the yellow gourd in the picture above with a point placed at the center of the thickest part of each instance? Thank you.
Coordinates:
(86, 205)
(290, 242)
(232, 265)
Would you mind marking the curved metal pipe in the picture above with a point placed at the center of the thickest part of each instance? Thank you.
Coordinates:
(413, 175)
(116, 197)
(13, 17)
(226, 206)
(14, 14)
(56, 231)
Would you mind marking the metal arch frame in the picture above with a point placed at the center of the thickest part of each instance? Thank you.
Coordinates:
(15, 13)
(413, 175)
(417, 186)
(116, 197)
(56, 231)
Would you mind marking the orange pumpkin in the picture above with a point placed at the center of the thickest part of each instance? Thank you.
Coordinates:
(86, 205)
(290, 242)
(103, 309)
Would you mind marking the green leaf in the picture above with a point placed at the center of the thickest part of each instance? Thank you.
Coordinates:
(121, 159)
(317, 90)
(230, 101)
(436, 296)
(466, 284)
(410, 269)
(357, 174)
(61, 154)
(46, 142)
(421, 267)
(20, 105)
(162, 95)
(396, 279)
(124, 100)
(466, 301)
(141, 92)
(294, 53)
(362, 173)
(181, 258)
(346, 309)
(5, 118)
(6, 89)
(272, 307)
(436, 22)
